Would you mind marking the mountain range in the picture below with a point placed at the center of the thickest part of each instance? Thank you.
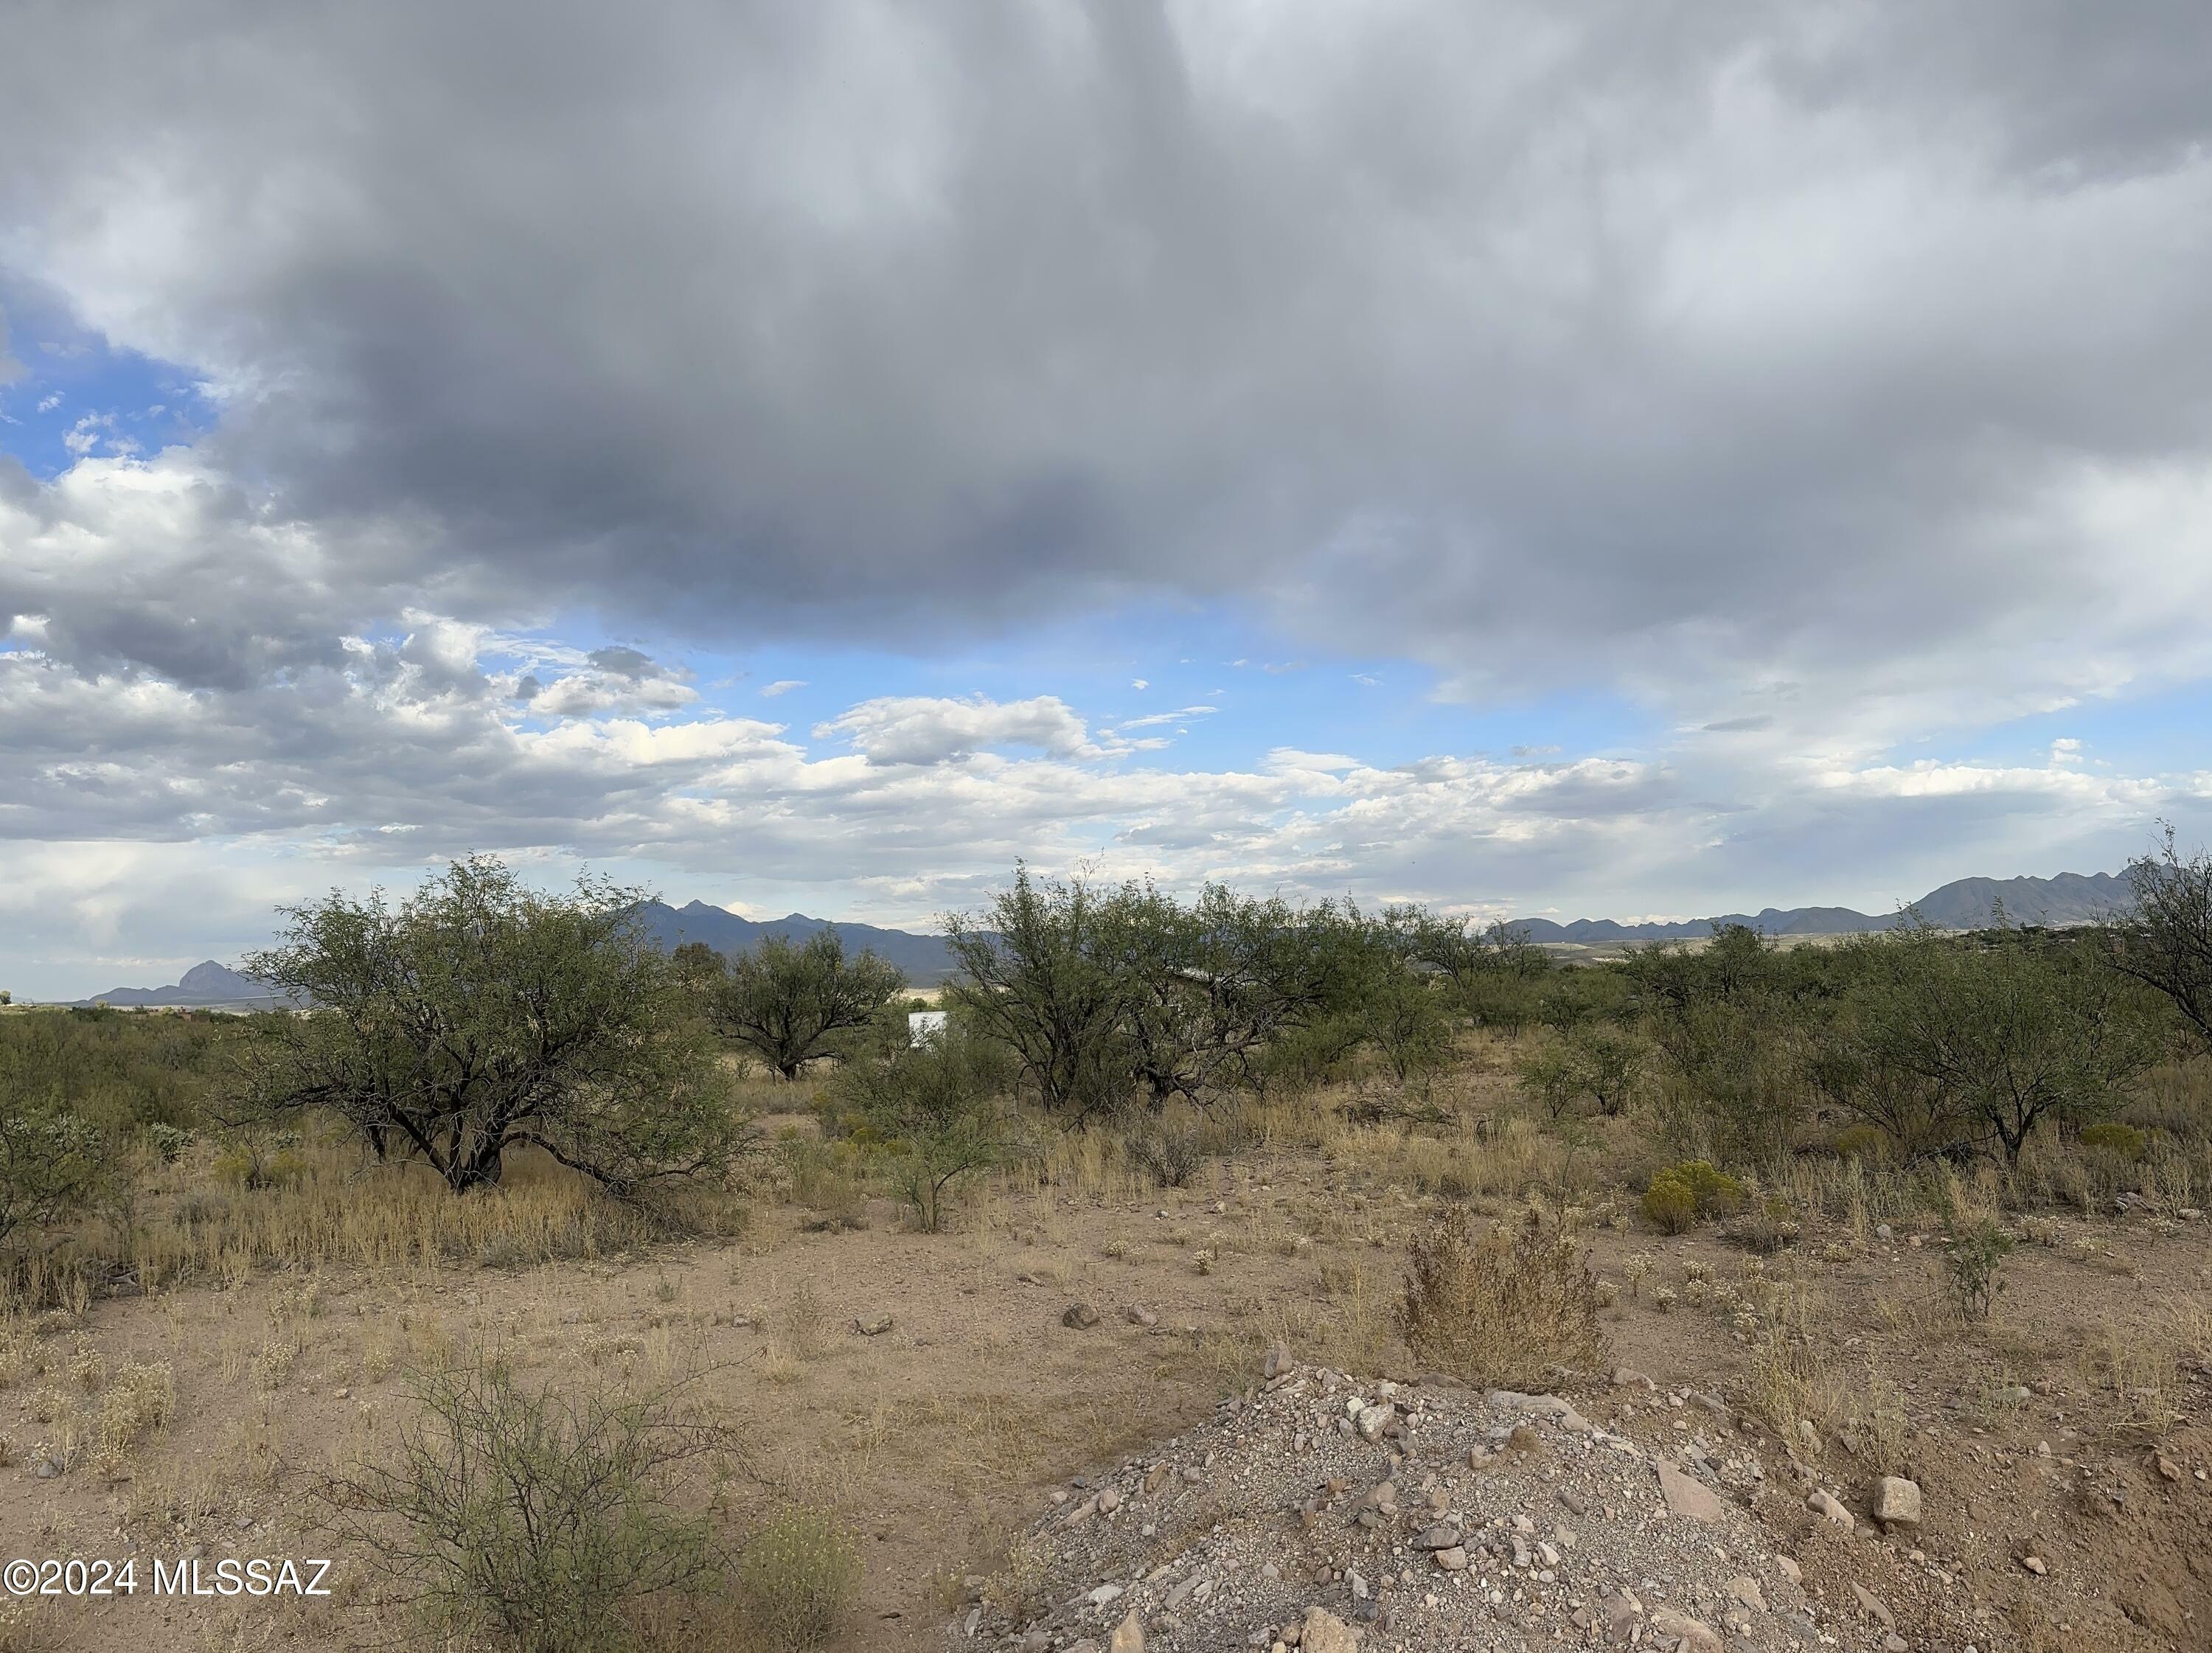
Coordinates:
(207, 986)
(923, 957)
(2069, 898)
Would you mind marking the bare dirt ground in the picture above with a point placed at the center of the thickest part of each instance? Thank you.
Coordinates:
(2062, 1445)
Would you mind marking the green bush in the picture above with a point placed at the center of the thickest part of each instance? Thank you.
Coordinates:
(795, 1577)
(546, 1516)
(2114, 1137)
(934, 1113)
(1978, 1252)
(1866, 1142)
(1684, 1194)
(1670, 1203)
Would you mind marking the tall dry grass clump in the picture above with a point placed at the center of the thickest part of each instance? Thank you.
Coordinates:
(1500, 1308)
(795, 1579)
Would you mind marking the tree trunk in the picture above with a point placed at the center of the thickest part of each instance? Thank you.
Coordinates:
(480, 1169)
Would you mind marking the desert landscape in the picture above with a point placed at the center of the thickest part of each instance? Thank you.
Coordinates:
(1216, 1275)
(1105, 826)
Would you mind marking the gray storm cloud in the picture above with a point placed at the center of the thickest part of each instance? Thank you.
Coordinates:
(1819, 378)
(1435, 325)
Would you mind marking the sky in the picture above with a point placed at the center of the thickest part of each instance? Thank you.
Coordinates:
(1641, 459)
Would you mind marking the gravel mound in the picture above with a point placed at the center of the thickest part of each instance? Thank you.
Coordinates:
(1328, 1512)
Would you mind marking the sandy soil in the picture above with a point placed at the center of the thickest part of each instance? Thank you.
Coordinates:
(945, 1435)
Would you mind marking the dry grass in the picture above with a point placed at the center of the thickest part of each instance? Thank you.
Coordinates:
(339, 1208)
(2138, 1371)
(1498, 1308)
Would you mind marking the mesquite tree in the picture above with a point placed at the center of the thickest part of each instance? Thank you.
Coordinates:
(2166, 942)
(479, 1015)
(789, 1003)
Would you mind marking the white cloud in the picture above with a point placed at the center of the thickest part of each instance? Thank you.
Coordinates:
(1156, 719)
(781, 686)
(916, 729)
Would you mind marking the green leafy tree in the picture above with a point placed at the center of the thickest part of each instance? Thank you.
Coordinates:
(789, 1003)
(1989, 1039)
(1599, 1064)
(478, 1015)
(1213, 987)
(1728, 1027)
(2166, 941)
(938, 1109)
(54, 1162)
(1040, 972)
(1396, 1005)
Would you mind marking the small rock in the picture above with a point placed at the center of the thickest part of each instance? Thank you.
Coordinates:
(1138, 1315)
(1128, 1636)
(1823, 1503)
(1619, 1616)
(1109, 1499)
(1686, 1496)
(1691, 1635)
(1789, 1569)
(1452, 1558)
(872, 1325)
(1746, 1590)
(1277, 1362)
(2034, 1564)
(1524, 1439)
(1372, 1420)
(1872, 1604)
(1441, 1536)
(1081, 1315)
(1897, 1504)
(1106, 1594)
(1808, 1437)
(1324, 1632)
(2166, 1467)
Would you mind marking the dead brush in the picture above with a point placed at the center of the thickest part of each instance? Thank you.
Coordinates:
(1500, 1308)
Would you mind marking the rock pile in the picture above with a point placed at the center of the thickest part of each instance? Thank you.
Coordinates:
(1323, 1512)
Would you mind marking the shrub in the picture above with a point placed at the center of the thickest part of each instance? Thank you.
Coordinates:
(545, 1515)
(1978, 1252)
(1670, 1203)
(2114, 1137)
(1862, 1141)
(795, 1577)
(1498, 1308)
(53, 1163)
(938, 1111)
(1682, 1194)
(1767, 1227)
(1169, 1154)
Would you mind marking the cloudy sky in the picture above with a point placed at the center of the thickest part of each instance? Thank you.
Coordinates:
(1672, 457)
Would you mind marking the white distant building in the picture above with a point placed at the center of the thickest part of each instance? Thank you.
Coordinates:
(923, 1025)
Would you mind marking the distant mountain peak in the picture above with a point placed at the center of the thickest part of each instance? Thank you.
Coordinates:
(2067, 898)
(207, 985)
